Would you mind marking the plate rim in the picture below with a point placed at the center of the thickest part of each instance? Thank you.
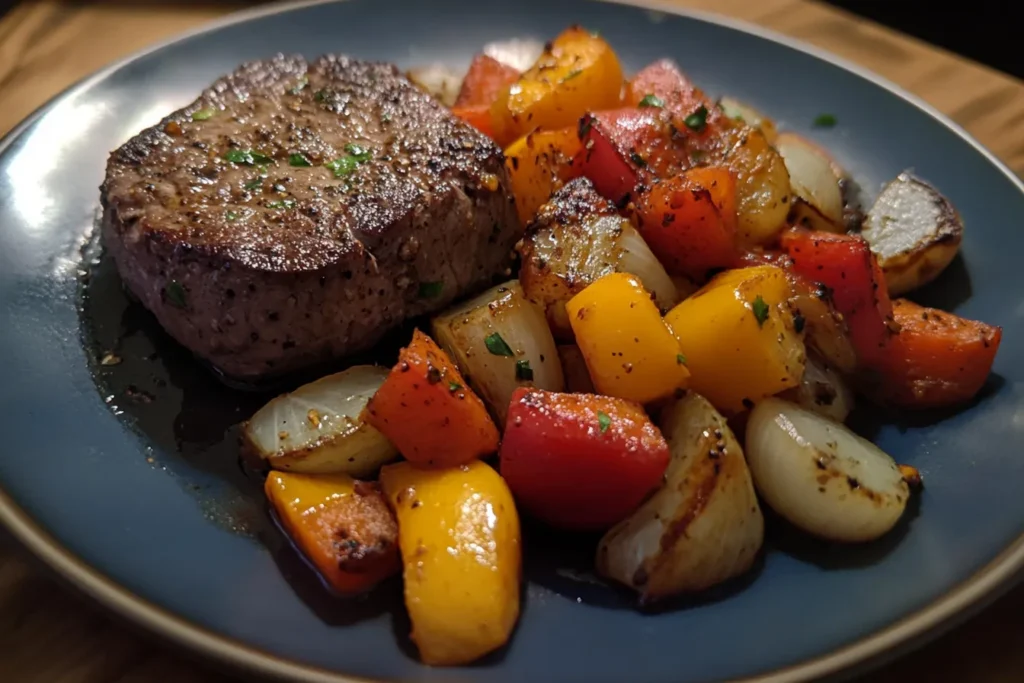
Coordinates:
(912, 630)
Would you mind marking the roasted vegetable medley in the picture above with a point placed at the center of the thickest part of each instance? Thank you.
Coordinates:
(698, 304)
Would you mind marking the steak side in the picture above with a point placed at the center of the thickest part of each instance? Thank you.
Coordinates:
(295, 212)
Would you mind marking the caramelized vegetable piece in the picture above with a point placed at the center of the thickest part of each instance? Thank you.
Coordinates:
(579, 461)
(342, 526)
(578, 73)
(629, 350)
(690, 221)
(428, 411)
(662, 85)
(845, 264)
(484, 81)
(703, 526)
(539, 163)
(478, 116)
(938, 359)
(738, 337)
(460, 541)
(576, 239)
(623, 147)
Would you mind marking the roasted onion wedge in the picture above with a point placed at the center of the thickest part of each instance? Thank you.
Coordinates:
(500, 341)
(438, 80)
(318, 429)
(914, 231)
(744, 113)
(822, 477)
(822, 390)
(703, 526)
(814, 181)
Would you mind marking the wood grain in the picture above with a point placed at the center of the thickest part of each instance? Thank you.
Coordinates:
(49, 635)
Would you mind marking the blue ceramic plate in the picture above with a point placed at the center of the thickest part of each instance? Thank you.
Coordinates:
(124, 476)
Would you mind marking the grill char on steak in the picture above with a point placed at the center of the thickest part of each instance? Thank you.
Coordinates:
(261, 264)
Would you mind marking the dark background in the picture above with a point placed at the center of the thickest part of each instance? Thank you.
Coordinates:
(983, 30)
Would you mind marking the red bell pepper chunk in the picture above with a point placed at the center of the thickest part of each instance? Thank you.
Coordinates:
(580, 461)
(845, 264)
(938, 360)
(478, 116)
(484, 80)
(689, 221)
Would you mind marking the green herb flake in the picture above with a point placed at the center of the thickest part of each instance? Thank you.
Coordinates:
(638, 160)
(203, 114)
(298, 159)
(698, 120)
(760, 310)
(652, 100)
(281, 204)
(247, 157)
(232, 215)
(358, 152)
(321, 95)
(342, 166)
(176, 295)
(524, 373)
(681, 359)
(254, 184)
(431, 290)
(454, 386)
(300, 86)
(825, 121)
(497, 346)
(603, 421)
(571, 75)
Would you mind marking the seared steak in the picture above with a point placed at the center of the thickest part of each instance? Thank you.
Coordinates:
(297, 211)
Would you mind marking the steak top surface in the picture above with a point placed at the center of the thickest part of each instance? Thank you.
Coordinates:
(297, 211)
(287, 166)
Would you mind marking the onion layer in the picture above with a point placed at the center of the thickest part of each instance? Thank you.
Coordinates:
(500, 341)
(319, 429)
(822, 477)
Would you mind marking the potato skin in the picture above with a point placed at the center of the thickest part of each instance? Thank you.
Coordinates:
(458, 532)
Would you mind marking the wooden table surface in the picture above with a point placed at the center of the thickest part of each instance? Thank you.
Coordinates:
(48, 634)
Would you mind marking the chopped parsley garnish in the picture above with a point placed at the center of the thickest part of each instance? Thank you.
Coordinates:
(681, 359)
(254, 184)
(637, 159)
(298, 159)
(176, 294)
(825, 120)
(652, 100)
(300, 86)
(359, 152)
(321, 95)
(698, 119)
(497, 346)
(281, 204)
(603, 421)
(203, 114)
(760, 310)
(571, 75)
(247, 157)
(524, 373)
(232, 215)
(431, 290)
(454, 386)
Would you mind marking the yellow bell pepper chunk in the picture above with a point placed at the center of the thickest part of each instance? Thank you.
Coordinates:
(458, 531)
(538, 164)
(630, 351)
(578, 73)
(738, 337)
(319, 511)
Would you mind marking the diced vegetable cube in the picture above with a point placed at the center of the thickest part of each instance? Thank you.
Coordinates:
(484, 81)
(539, 163)
(630, 351)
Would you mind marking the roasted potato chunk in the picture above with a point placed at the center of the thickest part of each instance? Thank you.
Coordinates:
(703, 526)
(914, 231)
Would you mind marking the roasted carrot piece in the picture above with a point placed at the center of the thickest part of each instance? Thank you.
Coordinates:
(343, 526)
(484, 80)
(689, 221)
(938, 359)
(428, 411)
(477, 116)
